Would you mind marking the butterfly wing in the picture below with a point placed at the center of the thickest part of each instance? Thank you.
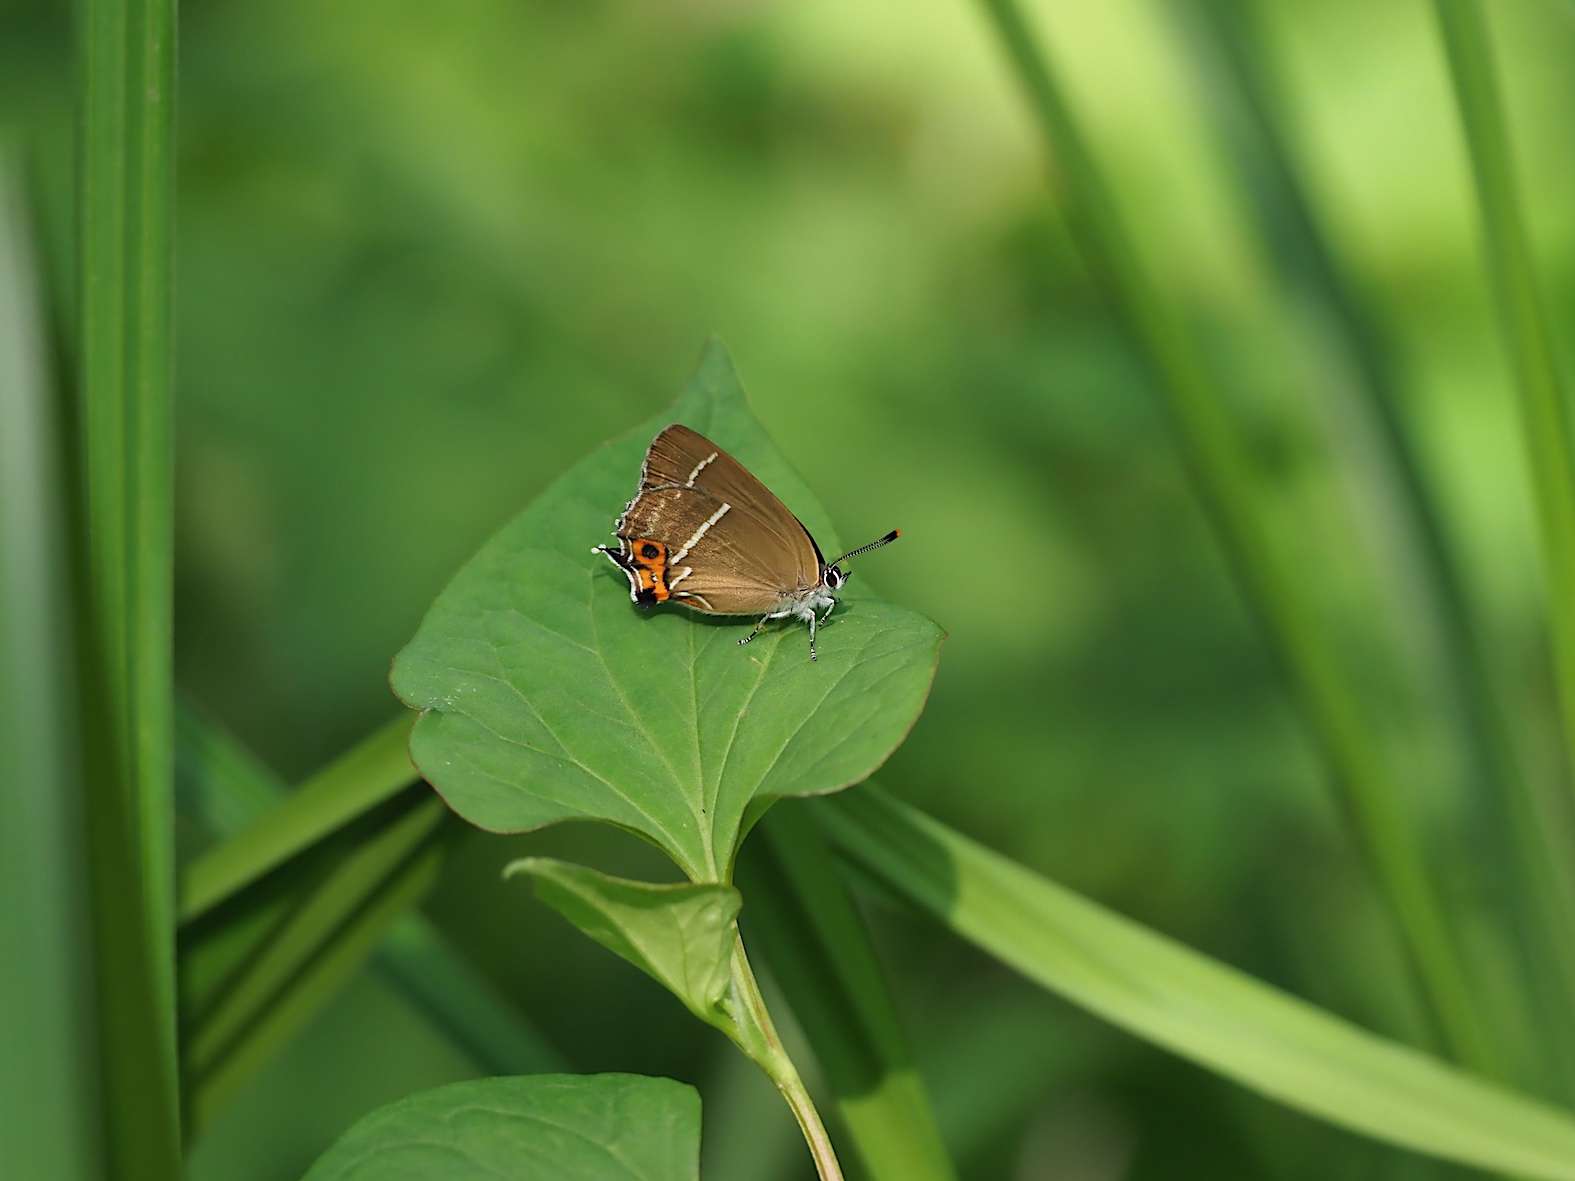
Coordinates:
(681, 457)
(705, 531)
(690, 545)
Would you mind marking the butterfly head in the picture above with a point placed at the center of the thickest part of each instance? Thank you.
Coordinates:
(836, 576)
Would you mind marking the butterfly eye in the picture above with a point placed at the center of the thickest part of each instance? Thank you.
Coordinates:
(834, 577)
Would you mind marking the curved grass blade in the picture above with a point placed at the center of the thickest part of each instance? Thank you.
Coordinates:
(314, 915)
(1223, 475)
(325, 932)
(553, 1127)
(369, 774)
(800, 915)
(462, 1001)
(1177, 998)
(49, 1119)
(224, 789)
(320, 978)
(547, 696)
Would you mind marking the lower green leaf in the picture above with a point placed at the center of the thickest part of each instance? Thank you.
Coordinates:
(545, 1127)
(681, 935)
(685, 936)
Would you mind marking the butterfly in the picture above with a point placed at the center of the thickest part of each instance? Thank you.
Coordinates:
(702, 531)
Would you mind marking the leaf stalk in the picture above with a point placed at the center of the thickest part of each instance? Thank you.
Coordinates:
(749, 1024)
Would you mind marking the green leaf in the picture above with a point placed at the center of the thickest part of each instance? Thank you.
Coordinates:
(547, 696)
(545, 1127)
(685, 937)
(820, 954)
(680, 935)
(1175, 997)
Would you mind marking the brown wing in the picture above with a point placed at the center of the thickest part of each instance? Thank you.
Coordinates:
(707, 552)
(681, 457)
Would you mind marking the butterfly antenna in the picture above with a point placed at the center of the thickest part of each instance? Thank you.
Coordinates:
(864, 549)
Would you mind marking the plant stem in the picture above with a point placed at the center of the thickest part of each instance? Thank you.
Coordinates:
(801, 918)
(752, 1030)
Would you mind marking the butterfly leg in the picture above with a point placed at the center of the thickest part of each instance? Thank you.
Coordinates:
(812, 622)
(764, 620)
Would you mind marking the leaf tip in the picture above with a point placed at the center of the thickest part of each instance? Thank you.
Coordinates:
(523, 865)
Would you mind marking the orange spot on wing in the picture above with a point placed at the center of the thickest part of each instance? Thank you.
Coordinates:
(650, 557)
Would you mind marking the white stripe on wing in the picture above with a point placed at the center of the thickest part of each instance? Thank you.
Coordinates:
(698, 534)
(699, 467)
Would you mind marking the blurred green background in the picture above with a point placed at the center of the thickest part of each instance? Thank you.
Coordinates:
(432, 253)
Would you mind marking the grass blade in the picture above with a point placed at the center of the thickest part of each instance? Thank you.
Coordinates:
(463, 1002)
(1526, 329)
(227, 789)
(367, 776)
(1218, 1017)
(126, 73)
(321, 976)
(220, 786)
(1223, 475)
(798, 912)
(1528, 836)
(330, 927)
(49, 1120)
